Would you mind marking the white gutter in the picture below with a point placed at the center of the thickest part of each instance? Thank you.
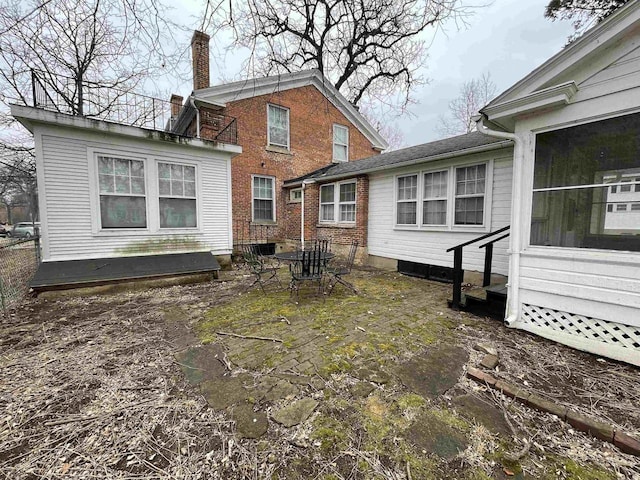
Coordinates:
(192, 100)
(514, 245)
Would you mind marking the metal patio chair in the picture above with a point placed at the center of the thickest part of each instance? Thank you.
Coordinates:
(337, 273)
(256, 265)
(309, 268)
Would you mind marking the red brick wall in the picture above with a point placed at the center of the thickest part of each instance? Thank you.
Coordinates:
(311, 119)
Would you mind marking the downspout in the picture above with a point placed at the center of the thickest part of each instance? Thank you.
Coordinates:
(514, 277)
(192, 101)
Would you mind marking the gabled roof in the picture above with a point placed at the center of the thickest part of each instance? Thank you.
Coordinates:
(228, 92)
(467, 144)
(554, 82)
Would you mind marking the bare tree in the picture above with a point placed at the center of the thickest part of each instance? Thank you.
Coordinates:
(474, 95)
(118, 43)
(370, 50)
(18, 179)
(584, 13)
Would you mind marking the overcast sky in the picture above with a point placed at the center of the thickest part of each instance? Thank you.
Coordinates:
(508, 39)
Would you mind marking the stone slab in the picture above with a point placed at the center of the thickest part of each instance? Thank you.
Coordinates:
(250, 424)
(435, 371)
(474, 408)
(433, 436)
(295, 413)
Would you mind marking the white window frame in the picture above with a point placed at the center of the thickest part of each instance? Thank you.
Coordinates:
(186, 197)
(404, 200)
(269, 142)
(273, 199)
(450, 198)
(456, 196)
(151, 192)
(337, 203)
(99, 194)
(444, 198)
(293, 198)
(346, 145)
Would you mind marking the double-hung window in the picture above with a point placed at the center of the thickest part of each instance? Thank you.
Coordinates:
(263, 199)
(470, 186)
(177, 195)
(434, 205)
(407, 200)
(123, 202)
(278, 126)
(340, 143)
(338, 202)
(327, 203)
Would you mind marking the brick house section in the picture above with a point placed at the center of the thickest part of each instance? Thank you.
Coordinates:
(342, 234)
(311, 120)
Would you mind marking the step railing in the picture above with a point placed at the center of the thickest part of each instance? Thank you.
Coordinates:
(458, 272)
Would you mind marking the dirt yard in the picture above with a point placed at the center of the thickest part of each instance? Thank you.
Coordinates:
(215, 382)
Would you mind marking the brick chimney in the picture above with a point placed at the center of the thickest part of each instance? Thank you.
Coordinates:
(176, 104)
(200, 58)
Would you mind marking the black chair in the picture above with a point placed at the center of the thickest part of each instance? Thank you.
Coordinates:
(337, 273)
(309, 268)
(258, 267)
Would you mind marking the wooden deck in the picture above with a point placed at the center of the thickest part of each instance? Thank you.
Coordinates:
(101, 271)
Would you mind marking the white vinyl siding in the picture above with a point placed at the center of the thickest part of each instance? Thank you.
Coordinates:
(340, 143)
(263, 202)
(278, 126)
(69, 201)
(428, 245)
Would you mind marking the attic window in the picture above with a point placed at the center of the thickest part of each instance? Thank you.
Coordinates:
(340, 143)
(278, 126)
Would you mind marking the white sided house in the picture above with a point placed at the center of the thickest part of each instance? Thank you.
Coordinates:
(110, 191)
(574, 271)
(427, 198)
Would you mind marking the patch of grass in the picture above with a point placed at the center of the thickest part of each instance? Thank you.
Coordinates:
(332, 434)
(451, 419)
(411, 400)
(576, 471)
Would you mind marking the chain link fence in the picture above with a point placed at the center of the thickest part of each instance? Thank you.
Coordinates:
(19, 260)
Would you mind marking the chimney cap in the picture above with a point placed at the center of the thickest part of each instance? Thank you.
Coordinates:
(199, 36)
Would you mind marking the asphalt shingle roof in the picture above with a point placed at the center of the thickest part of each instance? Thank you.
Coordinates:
(425, 152)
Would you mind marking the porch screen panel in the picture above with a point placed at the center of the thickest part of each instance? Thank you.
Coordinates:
(587, 186)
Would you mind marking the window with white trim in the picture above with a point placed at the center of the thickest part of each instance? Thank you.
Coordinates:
(340, 143)
(177, 195)
(434, 204)
(451, 198)
(295, 195)
(407, 200)
(263, 203)
(277, 126)
(123, 202)
(338, 202)
(469, 196)
(327, 203)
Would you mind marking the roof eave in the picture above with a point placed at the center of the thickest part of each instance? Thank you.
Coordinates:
(443, 156)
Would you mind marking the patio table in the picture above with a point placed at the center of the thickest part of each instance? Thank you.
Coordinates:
(296, 256)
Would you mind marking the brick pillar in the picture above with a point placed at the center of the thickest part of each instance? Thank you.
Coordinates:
(176, 104)
(311, 205)
(362, 209)
(200, 59)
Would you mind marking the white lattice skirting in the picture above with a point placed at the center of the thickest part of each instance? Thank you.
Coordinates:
(609, 339)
